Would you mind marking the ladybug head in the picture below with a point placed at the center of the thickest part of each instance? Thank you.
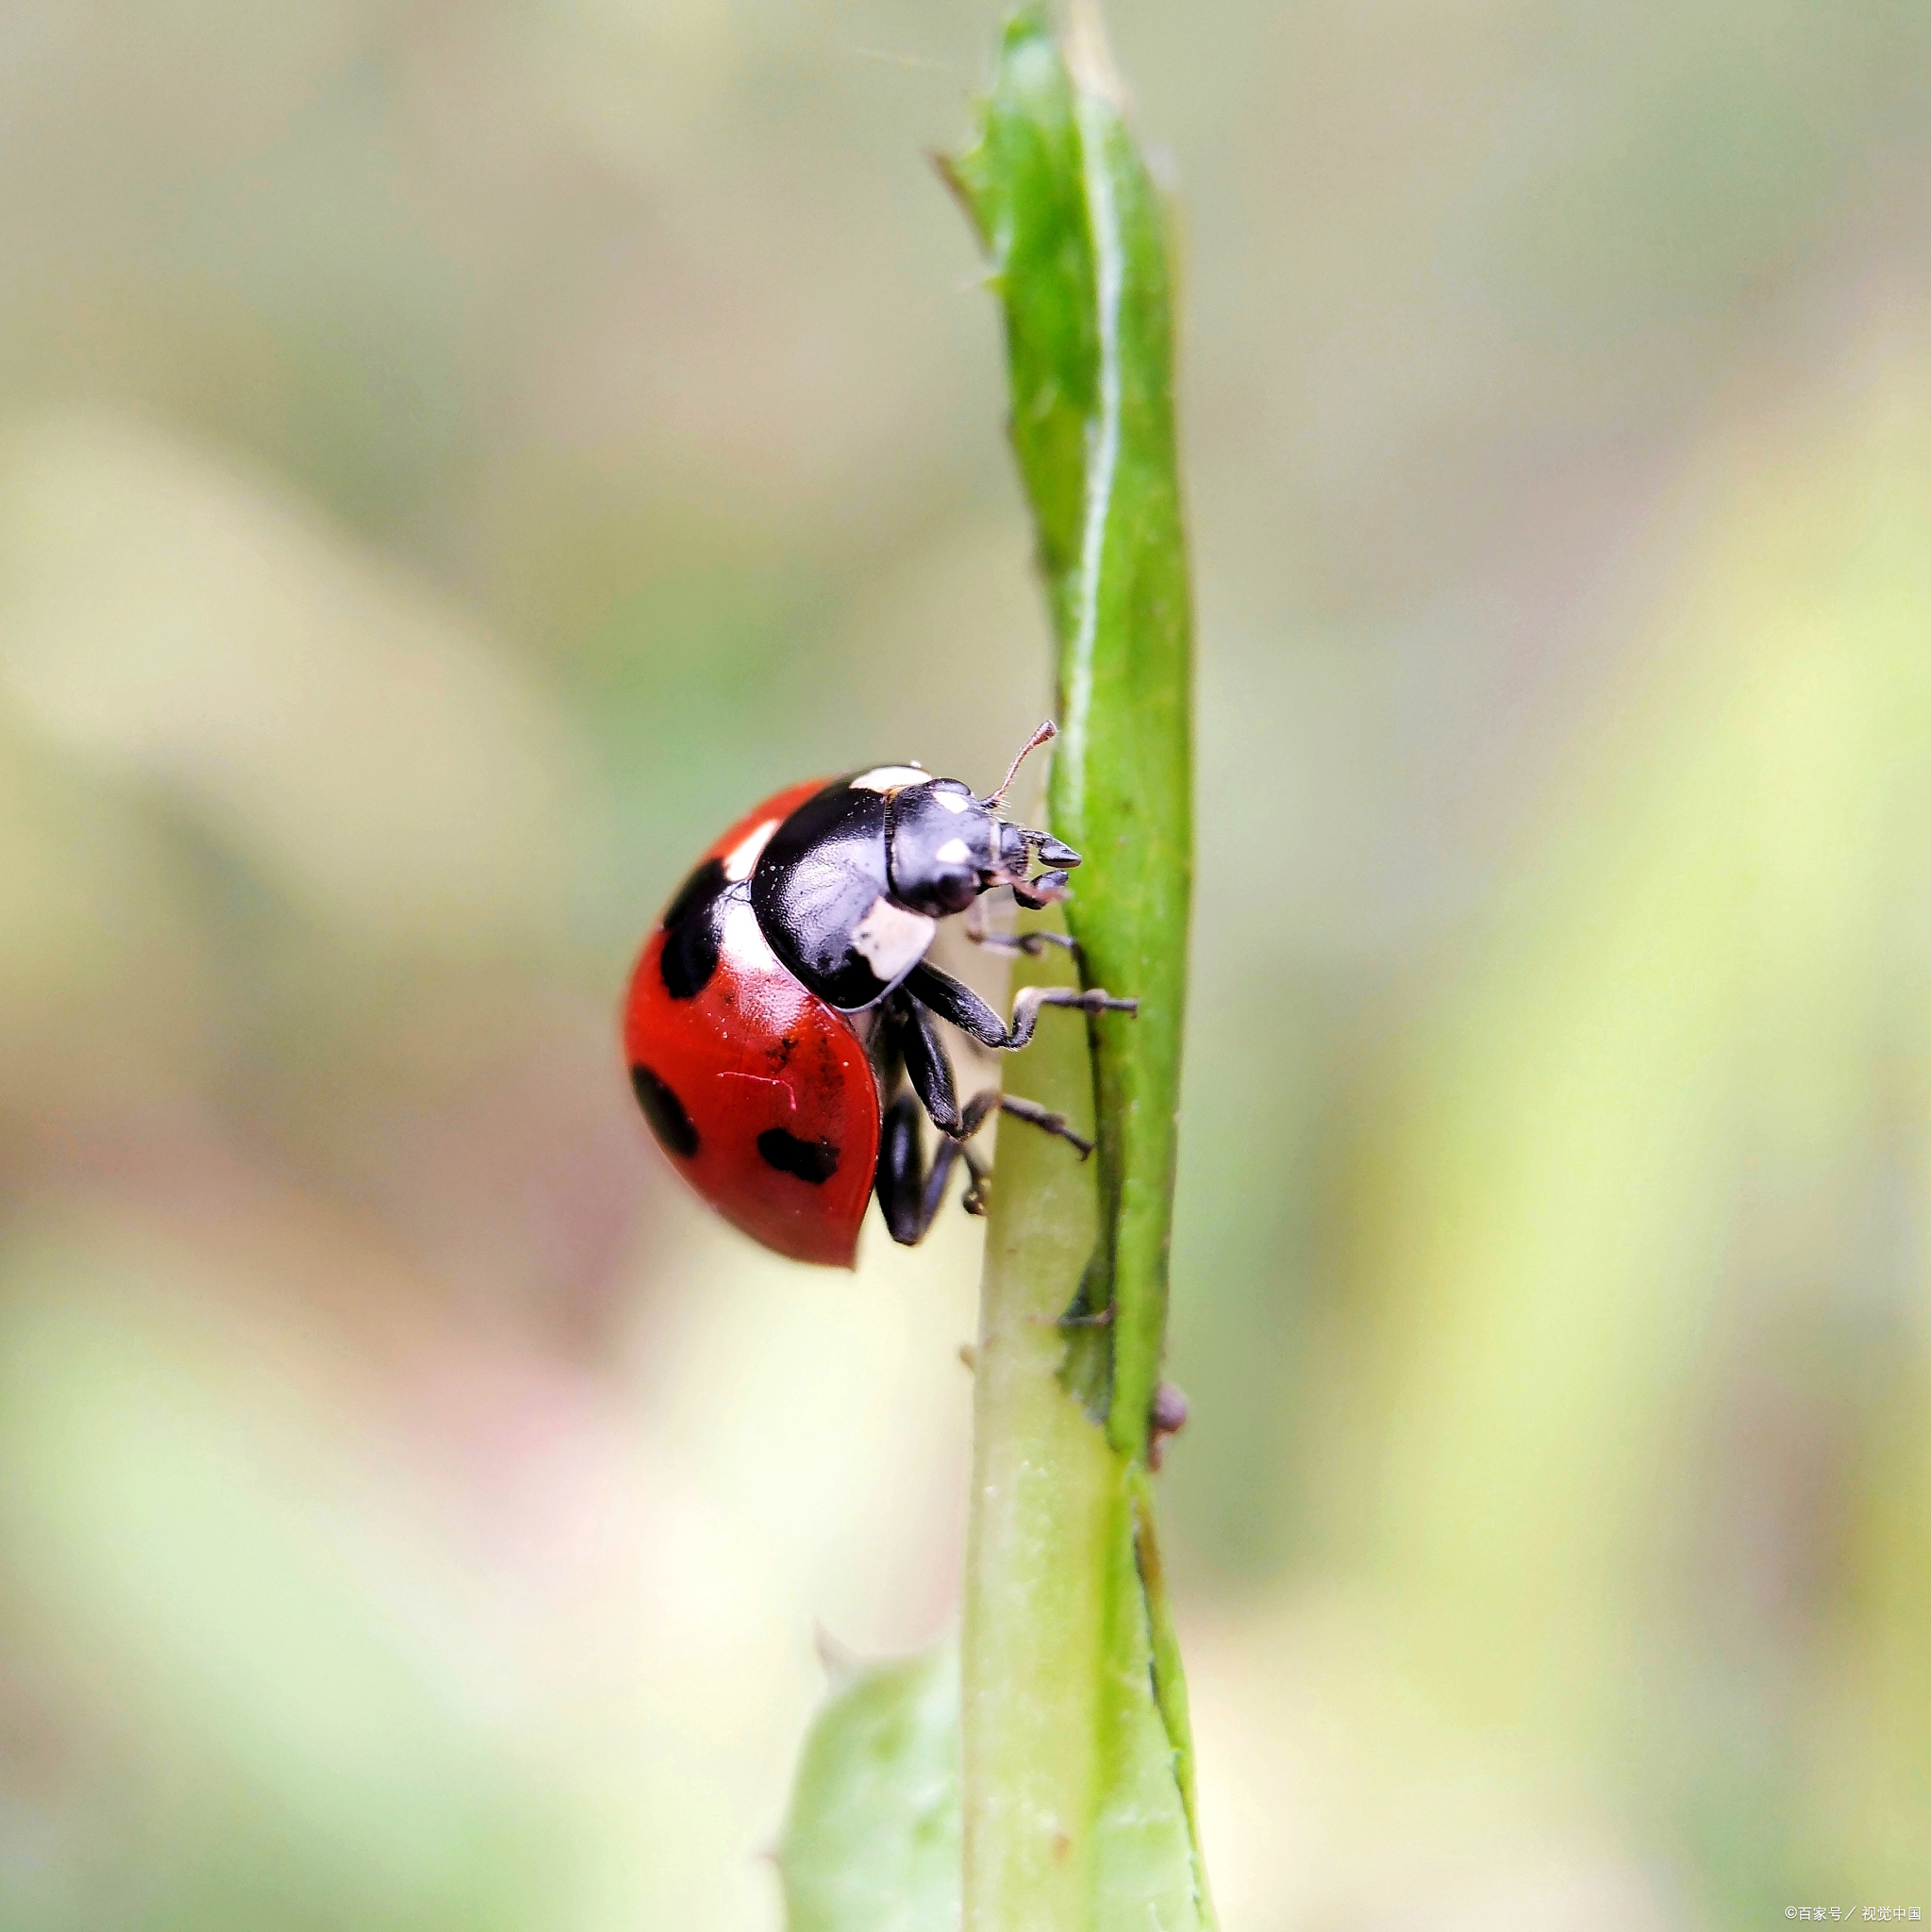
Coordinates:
(946, 846)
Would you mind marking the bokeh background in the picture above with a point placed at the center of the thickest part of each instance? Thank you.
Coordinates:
(454, 456)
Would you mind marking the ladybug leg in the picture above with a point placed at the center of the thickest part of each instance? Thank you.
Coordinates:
(931, 1073)
(1030, 944)
(979, 1193)
(1045, 1120)
(910, 1199)
(887, 1047)
(909, 1196)
(929, 1070)
(960, 1004)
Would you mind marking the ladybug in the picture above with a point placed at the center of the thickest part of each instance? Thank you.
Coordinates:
(780, 1024)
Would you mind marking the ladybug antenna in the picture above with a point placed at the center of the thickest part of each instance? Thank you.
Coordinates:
(1046, 731)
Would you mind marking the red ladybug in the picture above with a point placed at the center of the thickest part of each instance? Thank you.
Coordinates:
(780, 1023)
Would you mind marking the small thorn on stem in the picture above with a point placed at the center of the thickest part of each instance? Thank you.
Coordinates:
(1099, 1318)
(1167, 1419)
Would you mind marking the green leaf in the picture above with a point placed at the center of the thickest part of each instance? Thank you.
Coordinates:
(1144, 1869)
(872, 1843)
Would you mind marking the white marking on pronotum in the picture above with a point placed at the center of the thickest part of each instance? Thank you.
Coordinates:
(892, 940)
(954, 851)
(743, 854)
(953, 801)
(890, 778)
(742, 938)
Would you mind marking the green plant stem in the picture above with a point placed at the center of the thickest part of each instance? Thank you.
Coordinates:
(1077, 1787)
(1036, 1564)
(1077, 1797)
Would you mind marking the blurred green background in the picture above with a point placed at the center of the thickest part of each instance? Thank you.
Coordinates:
(453, 457)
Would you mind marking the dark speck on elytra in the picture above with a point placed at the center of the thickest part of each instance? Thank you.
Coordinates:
(815, 1162)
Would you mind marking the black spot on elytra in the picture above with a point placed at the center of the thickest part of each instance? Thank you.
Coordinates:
(690, 932)
(664, 1111)
(811, 1161)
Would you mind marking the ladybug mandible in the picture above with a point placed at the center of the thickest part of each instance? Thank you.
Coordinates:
(779, 1022)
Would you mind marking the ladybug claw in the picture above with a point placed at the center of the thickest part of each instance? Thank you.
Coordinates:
(977, 1195)
(1043, 890)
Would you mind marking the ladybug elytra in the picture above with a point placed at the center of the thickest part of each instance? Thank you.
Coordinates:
(779, 1025)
